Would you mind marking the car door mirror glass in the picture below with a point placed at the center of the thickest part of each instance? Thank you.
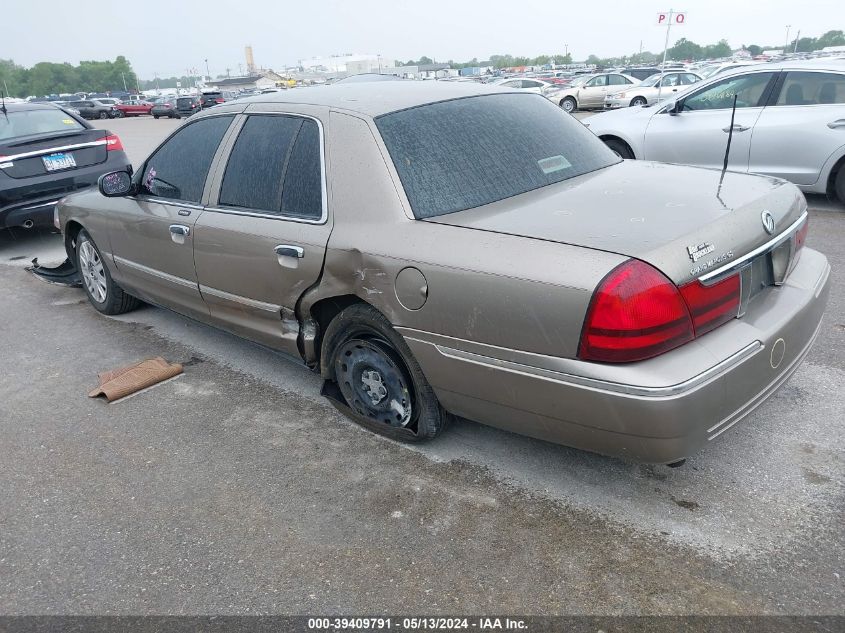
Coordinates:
(115, 184)
(672, 108)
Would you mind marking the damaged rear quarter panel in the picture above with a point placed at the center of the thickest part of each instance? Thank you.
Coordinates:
(497, 289)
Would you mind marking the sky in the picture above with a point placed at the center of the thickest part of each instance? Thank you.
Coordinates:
(165, 37)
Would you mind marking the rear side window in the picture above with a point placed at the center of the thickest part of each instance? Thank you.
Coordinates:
(33, 122)
(464, 153)
(812, 88)
(178, 170)
(275, 167)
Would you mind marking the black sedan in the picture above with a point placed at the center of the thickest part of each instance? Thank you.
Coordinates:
(94, 109)
(46, 153)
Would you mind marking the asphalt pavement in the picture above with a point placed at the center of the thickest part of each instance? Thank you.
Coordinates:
(235, 488)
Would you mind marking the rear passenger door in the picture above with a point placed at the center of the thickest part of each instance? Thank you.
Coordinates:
(261, 242)
(803, 125)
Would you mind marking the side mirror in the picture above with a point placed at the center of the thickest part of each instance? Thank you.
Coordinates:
(673, 108)
(115, 184)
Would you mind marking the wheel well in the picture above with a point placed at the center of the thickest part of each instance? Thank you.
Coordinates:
(831, 179)
(72, 229)
(323, 311)
(611, 137)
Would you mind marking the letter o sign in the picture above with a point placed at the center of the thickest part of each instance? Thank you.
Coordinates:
(680, 17)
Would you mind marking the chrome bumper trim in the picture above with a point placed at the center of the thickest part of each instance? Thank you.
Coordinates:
(602, 385)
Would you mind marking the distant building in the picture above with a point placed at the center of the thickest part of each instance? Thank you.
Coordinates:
(237, 84)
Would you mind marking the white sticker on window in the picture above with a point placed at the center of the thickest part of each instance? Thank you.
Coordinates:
(553, 163)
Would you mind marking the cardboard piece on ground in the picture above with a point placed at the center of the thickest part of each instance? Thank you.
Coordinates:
(119, 383)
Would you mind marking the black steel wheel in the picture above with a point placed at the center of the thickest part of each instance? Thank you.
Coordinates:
(378, 377)
(374, 382)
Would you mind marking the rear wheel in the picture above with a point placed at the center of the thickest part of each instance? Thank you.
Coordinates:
(839, 184)
(155, 116)
(381, 381)
(119, 114)
(638, 101)
(620, 148)
(105, 295)
(569, 105)
(103, 114)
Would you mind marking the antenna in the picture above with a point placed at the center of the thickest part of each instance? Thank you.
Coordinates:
(730, 136)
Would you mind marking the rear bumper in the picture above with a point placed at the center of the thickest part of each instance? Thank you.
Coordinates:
(34, 198)
(659, 411)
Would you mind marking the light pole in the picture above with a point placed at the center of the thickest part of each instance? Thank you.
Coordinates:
(207, 71)
(786, 43)
(797, 37)
(123, 76)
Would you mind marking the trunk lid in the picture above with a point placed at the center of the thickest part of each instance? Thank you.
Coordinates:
(26, 158)
(685, 221)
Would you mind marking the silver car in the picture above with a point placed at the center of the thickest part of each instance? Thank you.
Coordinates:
(789, 122)
(651, 90)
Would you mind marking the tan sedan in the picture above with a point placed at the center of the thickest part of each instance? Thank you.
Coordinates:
(588, 91)
(436, 249)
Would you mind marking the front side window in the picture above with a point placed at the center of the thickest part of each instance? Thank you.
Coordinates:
(749, 90)
(597, 82)
(465, 153)
(812, 88)
(275, 167)
(178, 169)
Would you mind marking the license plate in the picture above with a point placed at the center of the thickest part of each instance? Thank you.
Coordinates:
(55, 162)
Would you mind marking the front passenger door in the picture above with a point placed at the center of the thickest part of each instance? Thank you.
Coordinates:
(151, 234)
(593, 92)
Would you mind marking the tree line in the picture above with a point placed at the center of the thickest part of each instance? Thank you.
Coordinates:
(683, 49)
(46, 78)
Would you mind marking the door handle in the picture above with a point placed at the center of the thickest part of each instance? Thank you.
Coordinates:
(836, 124)
(286, 250)
(288, 256)
(737, 128)
(178, 233)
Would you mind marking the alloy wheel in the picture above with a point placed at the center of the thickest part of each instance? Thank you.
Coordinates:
(93, 272)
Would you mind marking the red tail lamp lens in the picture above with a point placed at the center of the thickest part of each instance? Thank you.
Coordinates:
(636, 313)
(113, 143)
(711, 306)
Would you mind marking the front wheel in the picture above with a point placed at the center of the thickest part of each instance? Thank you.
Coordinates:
(380, 380)
(839, 184)
(638, 101)
(105, 295)
(569, 105)
(620, 148)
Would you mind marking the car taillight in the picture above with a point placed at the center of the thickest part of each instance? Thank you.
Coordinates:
(113, 143)
(636, 313)
(711, 306)
(801, 235)
(219, 100)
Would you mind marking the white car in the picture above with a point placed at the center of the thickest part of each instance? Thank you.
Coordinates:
(789, 123)
(651, 90)
(527, 84)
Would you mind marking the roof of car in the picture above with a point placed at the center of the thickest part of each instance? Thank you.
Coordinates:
(376, 98)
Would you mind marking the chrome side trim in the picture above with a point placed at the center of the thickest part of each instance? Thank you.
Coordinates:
(38, 206)
(50, 150)
(761, 397)
(603, 385)
(740, 262)
(120, 261)
(252, 303)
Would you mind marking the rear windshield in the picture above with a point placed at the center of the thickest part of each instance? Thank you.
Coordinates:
(185, 101)
(460, 154)
(31, 122)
